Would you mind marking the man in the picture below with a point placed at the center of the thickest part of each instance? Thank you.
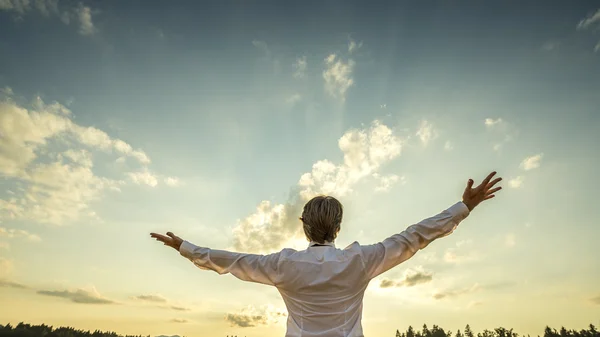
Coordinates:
(323, 286)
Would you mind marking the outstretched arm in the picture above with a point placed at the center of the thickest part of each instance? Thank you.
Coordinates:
(246, 267)
(383, 256)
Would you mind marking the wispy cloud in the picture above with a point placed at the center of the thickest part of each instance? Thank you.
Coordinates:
(448, 146)
(462, 253)
(364, 152)
(595, 300)
(411, 278)
(300, 67)
(18, 234)
(426, 132)
(450, 293)
(338, 76)
(50, 8)
(151, 298)
(353, 45)
(490, 122)
(179, 320)
(6, 266)
(590, 21)
(81, 296)
(532, 162)
(11, 284)
(251, 316)
(386, 182)
(293, 99)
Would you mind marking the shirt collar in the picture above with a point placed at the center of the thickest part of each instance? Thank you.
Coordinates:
(326, 243)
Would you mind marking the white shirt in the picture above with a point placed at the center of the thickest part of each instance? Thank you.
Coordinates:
(323, 286)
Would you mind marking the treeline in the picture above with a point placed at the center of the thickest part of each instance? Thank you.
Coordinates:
(436, 331)
(28, 330)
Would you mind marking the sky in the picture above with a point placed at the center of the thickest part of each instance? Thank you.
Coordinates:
(217, 122)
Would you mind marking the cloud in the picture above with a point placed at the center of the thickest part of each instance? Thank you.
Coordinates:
(293, 99)
(448, 146)
(86, 26)
(151, 298)
(51, 8)
(262, 45)
(44, 149)
(174, 307)
(411, 278)
(300, 67)
(386, 182)
(172, 181)
(271, 226)
(143, 178)
(510, 240)
(532, 162)
(490, 122)
(338, 76)
(81, 296)
(591, 20)
(595, 300)
(516, 182)
(11, 284)
(474, 304)
(426, 132)
(251, 316)
(353, 46)
(179, 320)
(17, 234)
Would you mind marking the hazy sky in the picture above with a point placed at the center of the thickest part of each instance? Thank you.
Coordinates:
(218, 121)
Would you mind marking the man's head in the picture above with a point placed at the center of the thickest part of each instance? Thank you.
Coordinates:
(321, 218)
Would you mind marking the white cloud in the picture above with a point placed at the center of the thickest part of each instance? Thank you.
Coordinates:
(353, 46)
(271, 226)
(426, 132)
(252, 316)
(50, 8)
(516, 182)
(143, 178)
(53, 156)
(293, 99)
(589, 21)
(172, 181)
(532, 162)
(386, 182)
(461, 253)
(300, 67)
(510, 240)
(17, 234)
(550, 45)
(86, 26)
(338, 76)
(490, 122)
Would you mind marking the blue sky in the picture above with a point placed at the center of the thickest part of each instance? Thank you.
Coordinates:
(119, 119)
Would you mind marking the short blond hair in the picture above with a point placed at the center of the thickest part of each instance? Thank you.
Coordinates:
(321, 218)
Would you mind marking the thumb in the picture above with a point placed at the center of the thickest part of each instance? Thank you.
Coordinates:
(470, 183)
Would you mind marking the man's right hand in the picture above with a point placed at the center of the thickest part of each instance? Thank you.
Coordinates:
(474, 196)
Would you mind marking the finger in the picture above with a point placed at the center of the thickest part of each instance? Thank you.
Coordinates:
(160, 237)
(171, 235)
(488, 178)
(492, 191)
(494, 182)
(470, 184)
(489, 197)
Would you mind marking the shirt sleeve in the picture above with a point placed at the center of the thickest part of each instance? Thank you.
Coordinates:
(384, 255)
(247, 267)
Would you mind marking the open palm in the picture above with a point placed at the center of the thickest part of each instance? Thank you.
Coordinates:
(170, 240)
(484, 191)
